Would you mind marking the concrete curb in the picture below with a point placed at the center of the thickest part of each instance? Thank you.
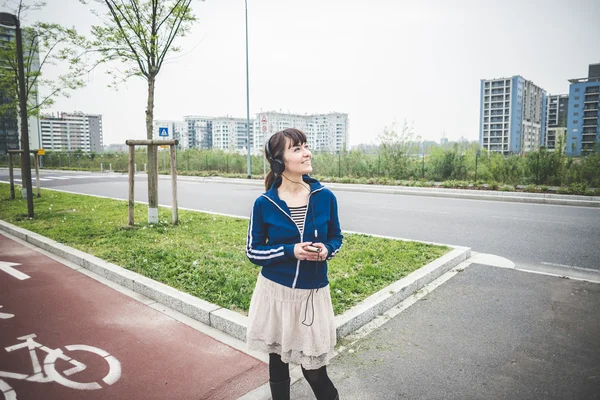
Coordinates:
(229, 321)
(516, 197)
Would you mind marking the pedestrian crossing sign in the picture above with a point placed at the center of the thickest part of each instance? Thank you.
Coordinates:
(163, 131)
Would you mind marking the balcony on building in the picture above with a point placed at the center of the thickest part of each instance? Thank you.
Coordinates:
(591, 99)
(592, 89)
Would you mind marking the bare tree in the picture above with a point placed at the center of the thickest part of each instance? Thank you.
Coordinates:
(140, 34)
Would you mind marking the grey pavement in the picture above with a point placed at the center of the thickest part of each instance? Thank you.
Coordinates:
(487, 333)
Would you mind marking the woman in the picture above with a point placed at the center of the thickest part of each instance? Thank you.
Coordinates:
(294, 229)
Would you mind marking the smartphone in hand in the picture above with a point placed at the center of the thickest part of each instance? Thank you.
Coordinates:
(312, 249)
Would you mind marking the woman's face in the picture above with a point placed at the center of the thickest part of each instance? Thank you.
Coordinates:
(297, 159)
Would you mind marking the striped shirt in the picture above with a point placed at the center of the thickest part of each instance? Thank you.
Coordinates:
(298, 214)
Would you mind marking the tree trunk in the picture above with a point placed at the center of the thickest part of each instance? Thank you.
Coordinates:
(152, 152)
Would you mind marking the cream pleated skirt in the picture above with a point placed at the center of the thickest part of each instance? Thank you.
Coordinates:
(278, 319)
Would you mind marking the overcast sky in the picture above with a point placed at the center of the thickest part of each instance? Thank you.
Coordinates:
(380, 61)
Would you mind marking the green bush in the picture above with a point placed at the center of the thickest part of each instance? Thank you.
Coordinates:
(493, 185)
(564, 190)
(531, 189)
(579, 188)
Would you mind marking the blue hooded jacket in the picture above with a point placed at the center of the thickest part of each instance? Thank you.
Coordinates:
(272, 234)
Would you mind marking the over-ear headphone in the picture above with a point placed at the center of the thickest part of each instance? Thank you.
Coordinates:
(277, 165)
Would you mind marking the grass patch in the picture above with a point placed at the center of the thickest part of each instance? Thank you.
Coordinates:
(205, 254)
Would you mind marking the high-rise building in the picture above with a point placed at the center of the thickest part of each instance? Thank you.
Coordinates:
(512, 115)
(10, 127)
(72, 131)
(231, 134)
(583, 128)
(556, 119)
(177, 130)
(199, 131)
(325, 132)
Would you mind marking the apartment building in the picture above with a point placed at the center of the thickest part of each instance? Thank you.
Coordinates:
(583, 128)
(10, 129)
(71, 132)
(325, 132)
(231, 134)
(512, 115)
(199, 131)
(556, 119)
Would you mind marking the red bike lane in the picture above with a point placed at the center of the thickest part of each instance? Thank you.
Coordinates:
(64, 335)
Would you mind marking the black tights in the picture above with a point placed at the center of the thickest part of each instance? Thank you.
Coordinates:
(316, 378)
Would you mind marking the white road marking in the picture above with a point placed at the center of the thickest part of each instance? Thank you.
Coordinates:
(531, 219)
(559, 275)
(6, 315)
(49, 373)
(569, 266)
(57, 177)
(8, 268)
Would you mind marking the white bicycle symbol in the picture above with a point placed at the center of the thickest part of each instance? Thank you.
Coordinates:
(49, 373)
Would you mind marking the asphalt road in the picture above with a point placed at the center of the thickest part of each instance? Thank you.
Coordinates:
(533, 236)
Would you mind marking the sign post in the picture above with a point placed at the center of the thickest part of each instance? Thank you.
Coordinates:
(163, 132)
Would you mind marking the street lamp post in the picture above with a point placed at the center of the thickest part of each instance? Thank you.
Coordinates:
(248, 98)
(12, 20)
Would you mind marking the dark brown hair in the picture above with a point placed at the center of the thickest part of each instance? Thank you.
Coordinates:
(277, 145)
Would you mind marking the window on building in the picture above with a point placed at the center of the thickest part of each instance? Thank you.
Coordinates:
(575, 121)
(576, 105)
(577, 89)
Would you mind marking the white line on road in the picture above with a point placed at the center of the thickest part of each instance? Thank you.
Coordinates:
(57, 177)
(569, 266)
(531, 219)
(8, 268)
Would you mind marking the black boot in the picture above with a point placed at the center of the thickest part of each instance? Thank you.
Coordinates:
(280, 390)
(330, 396)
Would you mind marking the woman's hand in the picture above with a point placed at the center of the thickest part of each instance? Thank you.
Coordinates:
(302, 254)
(322, 255)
